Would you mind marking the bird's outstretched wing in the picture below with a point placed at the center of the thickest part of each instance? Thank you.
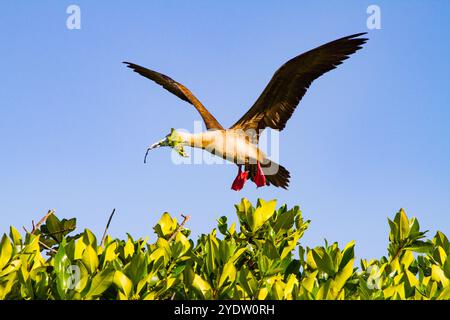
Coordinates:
(281, 96)
(179, 90)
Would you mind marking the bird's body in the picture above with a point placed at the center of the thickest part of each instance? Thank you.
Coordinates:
(272, 109)
(232, 145)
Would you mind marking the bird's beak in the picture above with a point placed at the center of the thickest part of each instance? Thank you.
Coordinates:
(158, 144)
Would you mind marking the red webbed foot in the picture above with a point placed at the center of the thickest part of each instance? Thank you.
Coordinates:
(240, 180)
(259, 179)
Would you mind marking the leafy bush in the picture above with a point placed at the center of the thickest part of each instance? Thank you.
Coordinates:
(260, 260)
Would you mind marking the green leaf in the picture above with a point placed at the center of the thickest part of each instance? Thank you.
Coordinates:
(166, 225)
(291, 244)
(284, 221)
(438, 275)
(61, 265)
(53, 228)
(136, 269)
(90, 259)
(159, 258)
(7, 284)
(6, 250)
(202, 287)
(83, 277)
(129, 248)
(441, 240)
(100, 283)
(323, 261)
(263, 212)
(244, 212)
(15, 236)
(237, 254)
(248, 282)
(222, 225)
(110, 254)
(291, 286)
(420, 247)
(407, 259)
(178, 270)
(446, 267)
(403, 223)
(343, 275)
(228, 273)
(309, 280)
(393, 234)
(211, 250)
(277, 289)
(89, 238)
(123, 283)
(444, 294)
(347, 254)
(80, 246)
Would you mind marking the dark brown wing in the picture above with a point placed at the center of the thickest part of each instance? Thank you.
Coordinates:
(179, 90)
(279, 99)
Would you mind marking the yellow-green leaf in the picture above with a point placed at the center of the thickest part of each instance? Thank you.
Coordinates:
(90, 259)
(110, 253)
(6, 250)
(166, 225)
(202, 287)
(437, 274)
(403, 225)
(291, 283)
(123, 283)
(228, 273)
(128, 250)
(100, 283)
(80, 246)
(181, 238)
(263, 213)
(309, 280)
(343, 275)
(15, 236)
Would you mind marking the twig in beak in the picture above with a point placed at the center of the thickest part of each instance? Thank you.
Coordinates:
(153, 146)
(146, 153)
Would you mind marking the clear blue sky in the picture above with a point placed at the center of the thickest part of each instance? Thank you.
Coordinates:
(368, 138)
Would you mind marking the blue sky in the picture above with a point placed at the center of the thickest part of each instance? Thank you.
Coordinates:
(368, 138)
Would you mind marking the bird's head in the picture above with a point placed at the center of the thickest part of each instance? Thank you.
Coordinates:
(174, 140)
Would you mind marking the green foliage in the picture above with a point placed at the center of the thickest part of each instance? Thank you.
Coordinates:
(263, 260)
(174, 141)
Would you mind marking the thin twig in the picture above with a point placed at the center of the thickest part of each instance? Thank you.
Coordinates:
(41, 243)
(180, 227)
(35, 227)
(47, 247)
(146, 154)
(107, 226)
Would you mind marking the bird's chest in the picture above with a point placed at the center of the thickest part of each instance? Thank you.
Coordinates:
(232, 147)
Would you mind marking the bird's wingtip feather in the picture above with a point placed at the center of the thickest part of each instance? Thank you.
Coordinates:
(129, 64)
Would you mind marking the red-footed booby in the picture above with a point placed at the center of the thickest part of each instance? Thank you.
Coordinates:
(273, 108)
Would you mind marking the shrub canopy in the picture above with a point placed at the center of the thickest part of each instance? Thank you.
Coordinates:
(262, 259)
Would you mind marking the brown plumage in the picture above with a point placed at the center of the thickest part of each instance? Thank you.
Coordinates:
(180, 91)
(288, 85)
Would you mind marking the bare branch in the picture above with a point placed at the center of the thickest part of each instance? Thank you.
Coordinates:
(107, 226)
(35, 227)
(47, 247)
(180, 227)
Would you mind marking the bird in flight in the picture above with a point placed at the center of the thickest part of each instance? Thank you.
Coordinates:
(273, 108)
